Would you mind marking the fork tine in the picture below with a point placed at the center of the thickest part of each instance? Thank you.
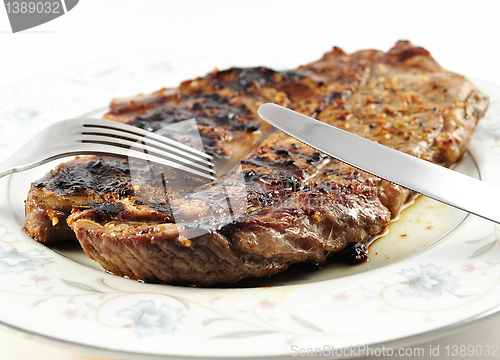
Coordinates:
(153, 144)
(143, 147)
(107, 148)
(138, 133)
(129, 138)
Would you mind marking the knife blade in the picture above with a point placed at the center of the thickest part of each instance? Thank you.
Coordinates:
(434, 181)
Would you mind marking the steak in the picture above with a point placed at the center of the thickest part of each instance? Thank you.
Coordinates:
(277, 202)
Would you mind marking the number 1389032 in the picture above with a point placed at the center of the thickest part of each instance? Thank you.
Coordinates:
(39, 7)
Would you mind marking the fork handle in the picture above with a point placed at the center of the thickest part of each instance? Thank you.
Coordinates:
(12, 164)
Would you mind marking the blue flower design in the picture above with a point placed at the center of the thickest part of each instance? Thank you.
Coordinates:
(19, 261)
(147, 318)
(429, 283)
(26, 114)
(161, 67)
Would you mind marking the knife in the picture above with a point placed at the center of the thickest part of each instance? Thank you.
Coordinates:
(436, 182)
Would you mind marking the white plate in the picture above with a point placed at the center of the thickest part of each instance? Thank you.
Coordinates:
(436, 270)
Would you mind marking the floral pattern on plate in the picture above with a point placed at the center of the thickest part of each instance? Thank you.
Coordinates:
(20, 261)
(430, 282)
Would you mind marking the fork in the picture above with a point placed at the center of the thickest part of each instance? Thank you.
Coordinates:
(86, 136)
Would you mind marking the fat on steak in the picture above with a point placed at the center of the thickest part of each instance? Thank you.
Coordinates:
(277, 202)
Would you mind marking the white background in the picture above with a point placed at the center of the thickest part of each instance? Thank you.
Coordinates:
(461, 35)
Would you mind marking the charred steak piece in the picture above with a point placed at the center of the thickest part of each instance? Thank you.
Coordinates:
(288, 204)
(227, 124)
(278, 201)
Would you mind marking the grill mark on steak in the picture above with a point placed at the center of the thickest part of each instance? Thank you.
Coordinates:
(207, 110)
(283, 203)
(242, 79)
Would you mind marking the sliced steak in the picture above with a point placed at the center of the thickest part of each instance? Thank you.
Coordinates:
(288, 204)
(277, 202)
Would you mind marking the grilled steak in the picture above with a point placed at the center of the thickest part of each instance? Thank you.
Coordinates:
(277, 201)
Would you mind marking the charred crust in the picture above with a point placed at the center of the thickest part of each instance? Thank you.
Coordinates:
(106, 208)
(158, 205)
(263, 161)
(102, 176)
(230, 117)
(242, 79)
(353, 253)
